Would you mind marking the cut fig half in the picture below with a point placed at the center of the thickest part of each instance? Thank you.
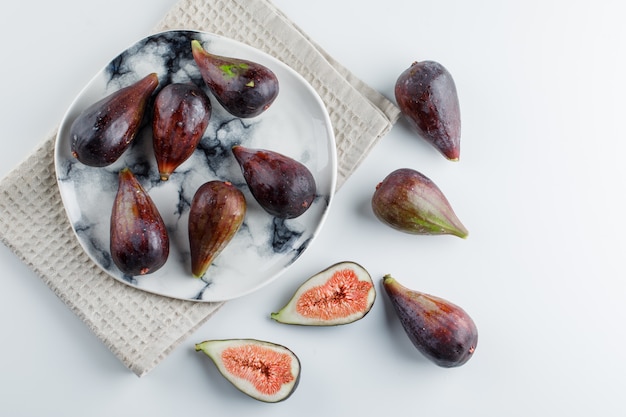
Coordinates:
(341, 294)
(265, 371)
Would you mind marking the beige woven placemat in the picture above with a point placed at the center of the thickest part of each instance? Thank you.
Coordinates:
(138, 327)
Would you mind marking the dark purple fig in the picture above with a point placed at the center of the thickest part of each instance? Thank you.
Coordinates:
(410, 202)
(244, 88)
(139, 239)
(265, 371)
(181, 115)
(426, 95)
(217, 212)
(104, 130)
(284, 187)
(440, 330)
(342, 293)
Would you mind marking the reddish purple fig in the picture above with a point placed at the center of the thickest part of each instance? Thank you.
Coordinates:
(181, 115)
(439, 329)
(104, 130)
(426, 95)
(217, 212)
(244, 88)
(408, 201)
(284, 187)
(139, 239)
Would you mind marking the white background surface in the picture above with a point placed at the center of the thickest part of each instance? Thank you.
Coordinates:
(539, 185)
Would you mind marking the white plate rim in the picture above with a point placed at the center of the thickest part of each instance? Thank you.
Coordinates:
(247, 49)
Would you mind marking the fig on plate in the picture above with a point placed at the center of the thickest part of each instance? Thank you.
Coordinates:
(442, 331)
(105, 129)
(244, 88)
(216, 214)
(284, 187)
(181, 115)
(408, 201)
(340, 294)
(426, 95)
(139, 240)
(265, 371)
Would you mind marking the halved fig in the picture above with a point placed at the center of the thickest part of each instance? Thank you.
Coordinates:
(265, 371)
(341, 294)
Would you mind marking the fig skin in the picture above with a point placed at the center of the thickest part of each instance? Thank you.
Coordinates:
(181, 116)
(426, 94)
(105, 129)
(284, 187)
(442, 331)
(244, 88)
(408, 201)
(340, 294)
(139, 239)
(217, 212)
(265, 371)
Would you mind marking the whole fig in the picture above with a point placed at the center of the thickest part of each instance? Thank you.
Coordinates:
(217, 212)
(426, 95)
(181, 115)
(284, 187)
(244, 88)
(139, 239)
(105, 129)
(441, 330)
(410, 202)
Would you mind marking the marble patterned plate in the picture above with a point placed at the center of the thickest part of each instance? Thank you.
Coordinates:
(296, 125)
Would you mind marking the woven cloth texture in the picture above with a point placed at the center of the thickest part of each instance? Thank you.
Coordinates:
(140, 328)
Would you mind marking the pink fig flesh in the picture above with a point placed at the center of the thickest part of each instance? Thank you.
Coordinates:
(408, 201)
(439, 329)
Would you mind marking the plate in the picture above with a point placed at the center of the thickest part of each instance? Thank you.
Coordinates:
(297, 125)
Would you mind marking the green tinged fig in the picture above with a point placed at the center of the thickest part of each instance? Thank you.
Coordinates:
(439, 329)
(139, 240)
(104, 130)
(427, 96)
(244, 88)
(410, 202)
(216, 214)
(284, 187)
(181, 115)
(265, 371)
(340, 294)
